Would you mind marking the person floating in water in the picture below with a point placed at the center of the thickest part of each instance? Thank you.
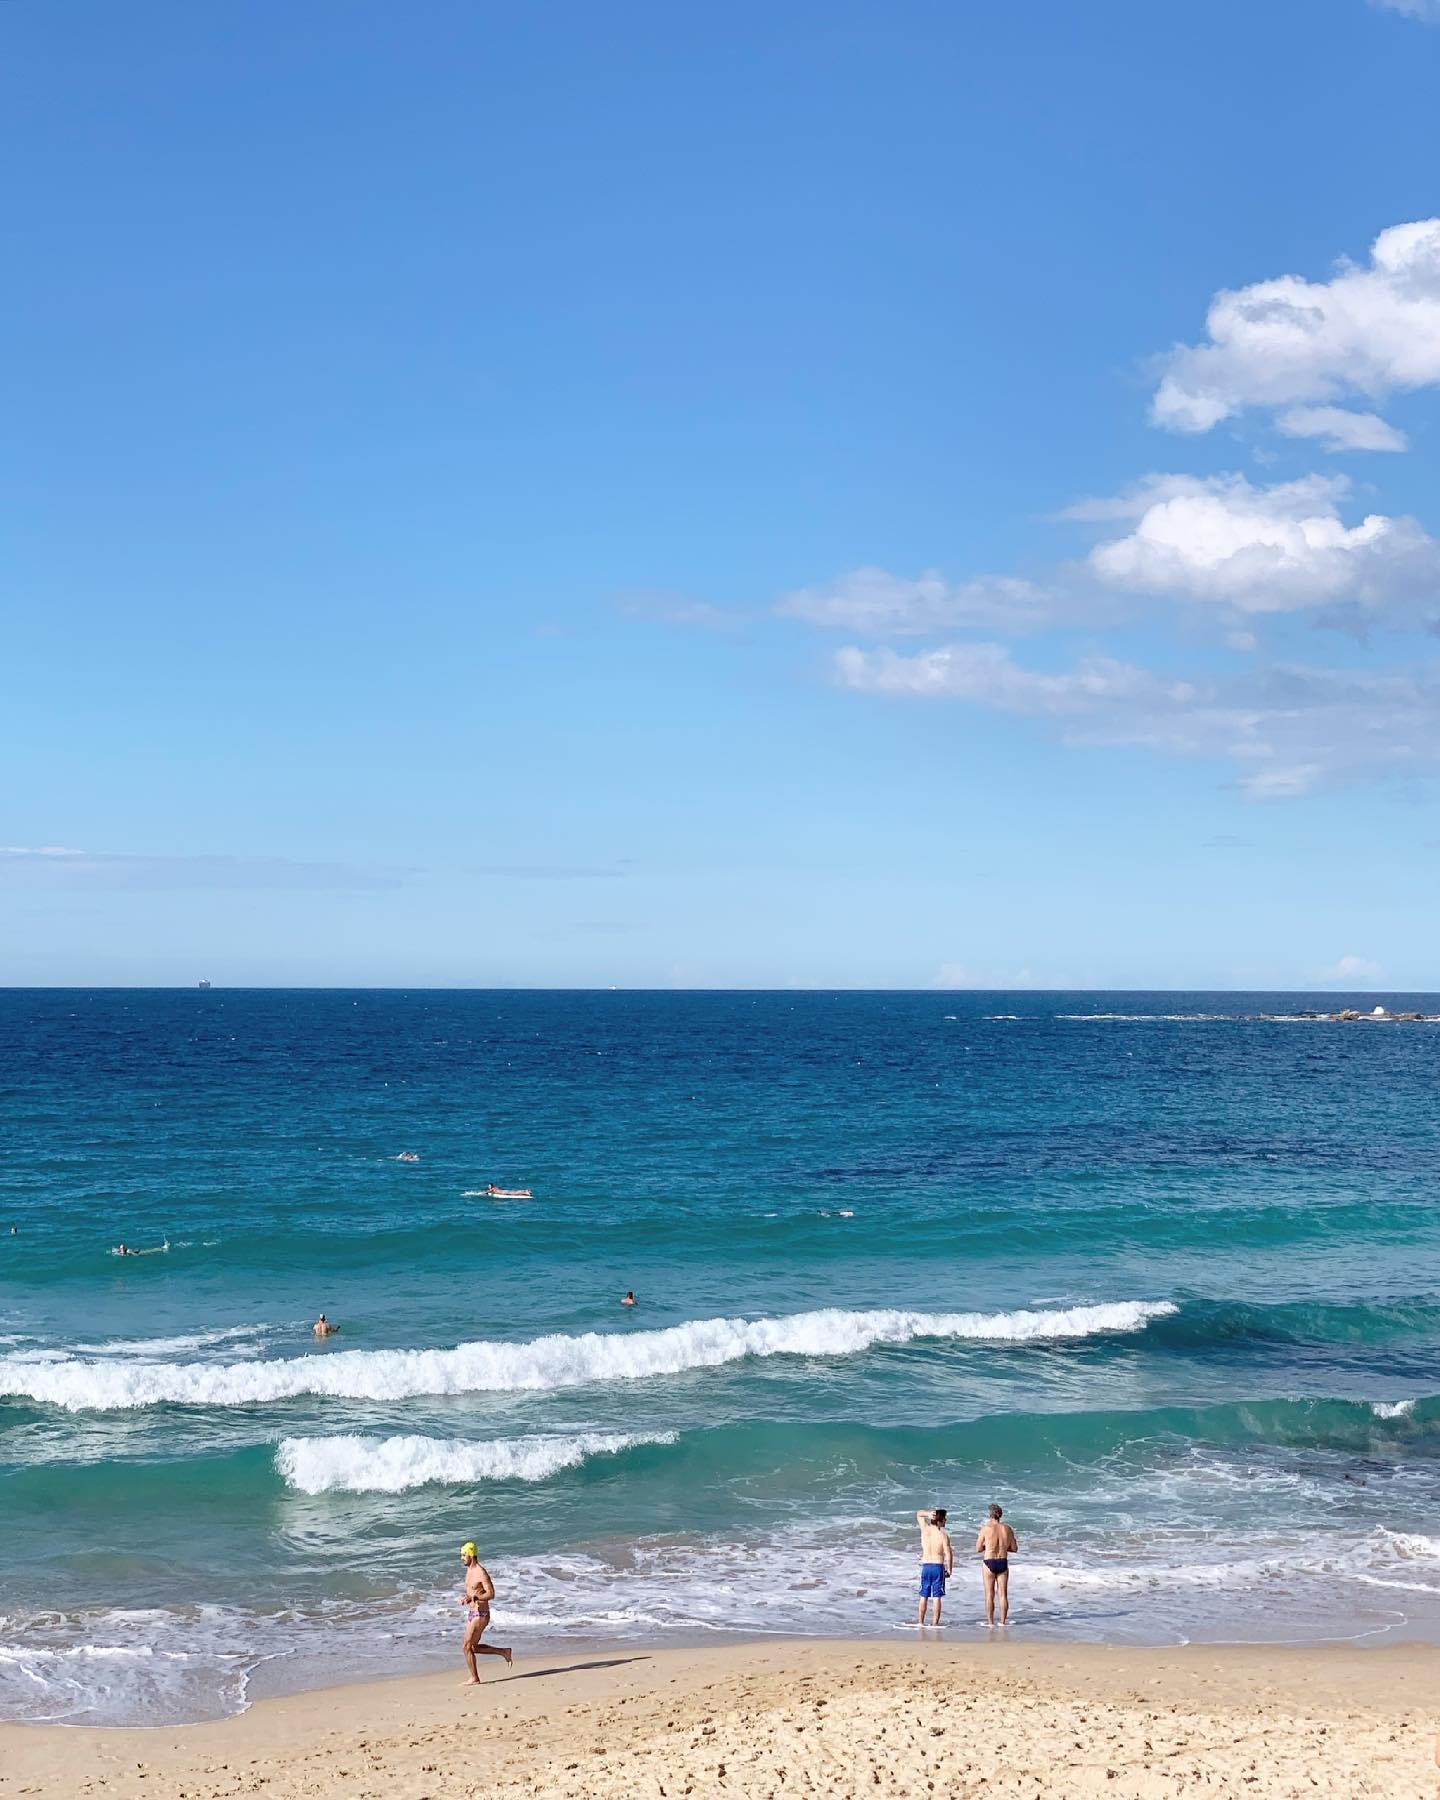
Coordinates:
(994, 1546)
(123, 1250)
(498, 1193)
(323, 1328)
(937, 1559)
(479, 1592)
(408, 1156)
(629, 1299)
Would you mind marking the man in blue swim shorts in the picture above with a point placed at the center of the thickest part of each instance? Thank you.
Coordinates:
(937, 1559)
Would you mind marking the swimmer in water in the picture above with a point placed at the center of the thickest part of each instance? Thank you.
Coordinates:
(122, 1250)
(629, 1299)
(323, 1328)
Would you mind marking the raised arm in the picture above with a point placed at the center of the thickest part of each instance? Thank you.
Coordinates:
(924, 1517)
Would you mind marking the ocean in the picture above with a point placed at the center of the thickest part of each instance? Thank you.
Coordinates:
(1158, 1272)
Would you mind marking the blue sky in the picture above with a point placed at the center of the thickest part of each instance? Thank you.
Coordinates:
(648, 495)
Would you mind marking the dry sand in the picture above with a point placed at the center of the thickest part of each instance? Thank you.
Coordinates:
(781, 1719)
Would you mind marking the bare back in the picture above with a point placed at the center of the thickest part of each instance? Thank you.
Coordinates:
(996, 1539)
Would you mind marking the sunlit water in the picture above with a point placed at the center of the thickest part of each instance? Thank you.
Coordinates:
(1165, 1284)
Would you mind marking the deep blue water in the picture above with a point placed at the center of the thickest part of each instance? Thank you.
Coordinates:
(1157, 1272)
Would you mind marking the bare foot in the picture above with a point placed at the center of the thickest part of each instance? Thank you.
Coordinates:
(471, 1681)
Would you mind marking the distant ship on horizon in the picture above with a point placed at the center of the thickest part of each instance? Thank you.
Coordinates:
(203, 984)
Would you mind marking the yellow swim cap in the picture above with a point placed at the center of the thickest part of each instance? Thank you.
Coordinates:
(469, 1550)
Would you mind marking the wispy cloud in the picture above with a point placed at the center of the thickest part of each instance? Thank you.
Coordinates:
(958, 976)
(1291, 728)
(1291, 343)
(873, 602)
(553, 871)
(1427, 11)
(1351, 969)
(661, 606)
(53, 866)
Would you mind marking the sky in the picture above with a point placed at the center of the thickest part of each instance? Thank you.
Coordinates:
(820, 495)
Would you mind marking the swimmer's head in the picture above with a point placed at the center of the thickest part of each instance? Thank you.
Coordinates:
(996, 1512)
(469, 1554)
(939, 1515)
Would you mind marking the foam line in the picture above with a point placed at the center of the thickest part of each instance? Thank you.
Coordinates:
(80, 1384)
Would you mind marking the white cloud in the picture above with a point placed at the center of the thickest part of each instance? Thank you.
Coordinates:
(956, 976)
(1340, 429)
(50, 866)
(1288, 728)
(987, 675)
(1265, 549)
(665, 607)
(1351, 968)
(1288, 342)
(1428, 11)
(874, 603)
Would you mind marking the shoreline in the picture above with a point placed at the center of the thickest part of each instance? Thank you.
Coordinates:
(821, 1716)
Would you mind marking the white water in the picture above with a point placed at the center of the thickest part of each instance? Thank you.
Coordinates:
(107, 1384)
(367, 1465)
(823, 1578)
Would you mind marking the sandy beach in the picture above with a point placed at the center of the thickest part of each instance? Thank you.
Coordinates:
(824, 1718)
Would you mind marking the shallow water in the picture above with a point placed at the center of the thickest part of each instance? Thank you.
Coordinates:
(1162, 1278)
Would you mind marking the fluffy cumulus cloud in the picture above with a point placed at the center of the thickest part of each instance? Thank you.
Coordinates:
(1265, 549)
(871, 602)
(1300, 346)
(1287, 729)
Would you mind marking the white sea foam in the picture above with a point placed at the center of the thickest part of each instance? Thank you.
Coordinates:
(828, 1578)
(93, 1384)
(170, 1346)
(1391, 1409)
(367, 1465)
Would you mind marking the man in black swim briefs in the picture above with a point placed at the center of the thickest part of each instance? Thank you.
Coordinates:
(995, 1545)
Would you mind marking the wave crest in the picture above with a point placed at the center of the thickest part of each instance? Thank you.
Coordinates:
(80, 1384)
(391, 1465)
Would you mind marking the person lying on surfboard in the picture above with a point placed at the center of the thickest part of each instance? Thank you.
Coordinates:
(499, 1193)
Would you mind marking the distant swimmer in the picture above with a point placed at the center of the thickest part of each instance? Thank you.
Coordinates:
(498, 1193)
(995, 1546)
(323, 1328)
(479, 1592)
(408, 1156)
(629, 1299)
(124, 1250)
(937, 1559)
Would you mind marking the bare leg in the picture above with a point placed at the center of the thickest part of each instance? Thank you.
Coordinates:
(989, 1596)
(920, 1620)
(938, 1604)
(474, 1648)
(1003, 1583)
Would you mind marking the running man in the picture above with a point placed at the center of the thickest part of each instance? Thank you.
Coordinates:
(479, 1592)
(937, 1559)
(995, 1545)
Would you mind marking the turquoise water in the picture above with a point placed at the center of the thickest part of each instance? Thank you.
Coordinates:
(1156, 1272)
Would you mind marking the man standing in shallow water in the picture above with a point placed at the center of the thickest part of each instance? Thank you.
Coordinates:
(993, 1546)
(937, 1559)
(479, 1592)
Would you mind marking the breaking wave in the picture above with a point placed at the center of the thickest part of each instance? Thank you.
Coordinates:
(82, 1384)
(391, 1465)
